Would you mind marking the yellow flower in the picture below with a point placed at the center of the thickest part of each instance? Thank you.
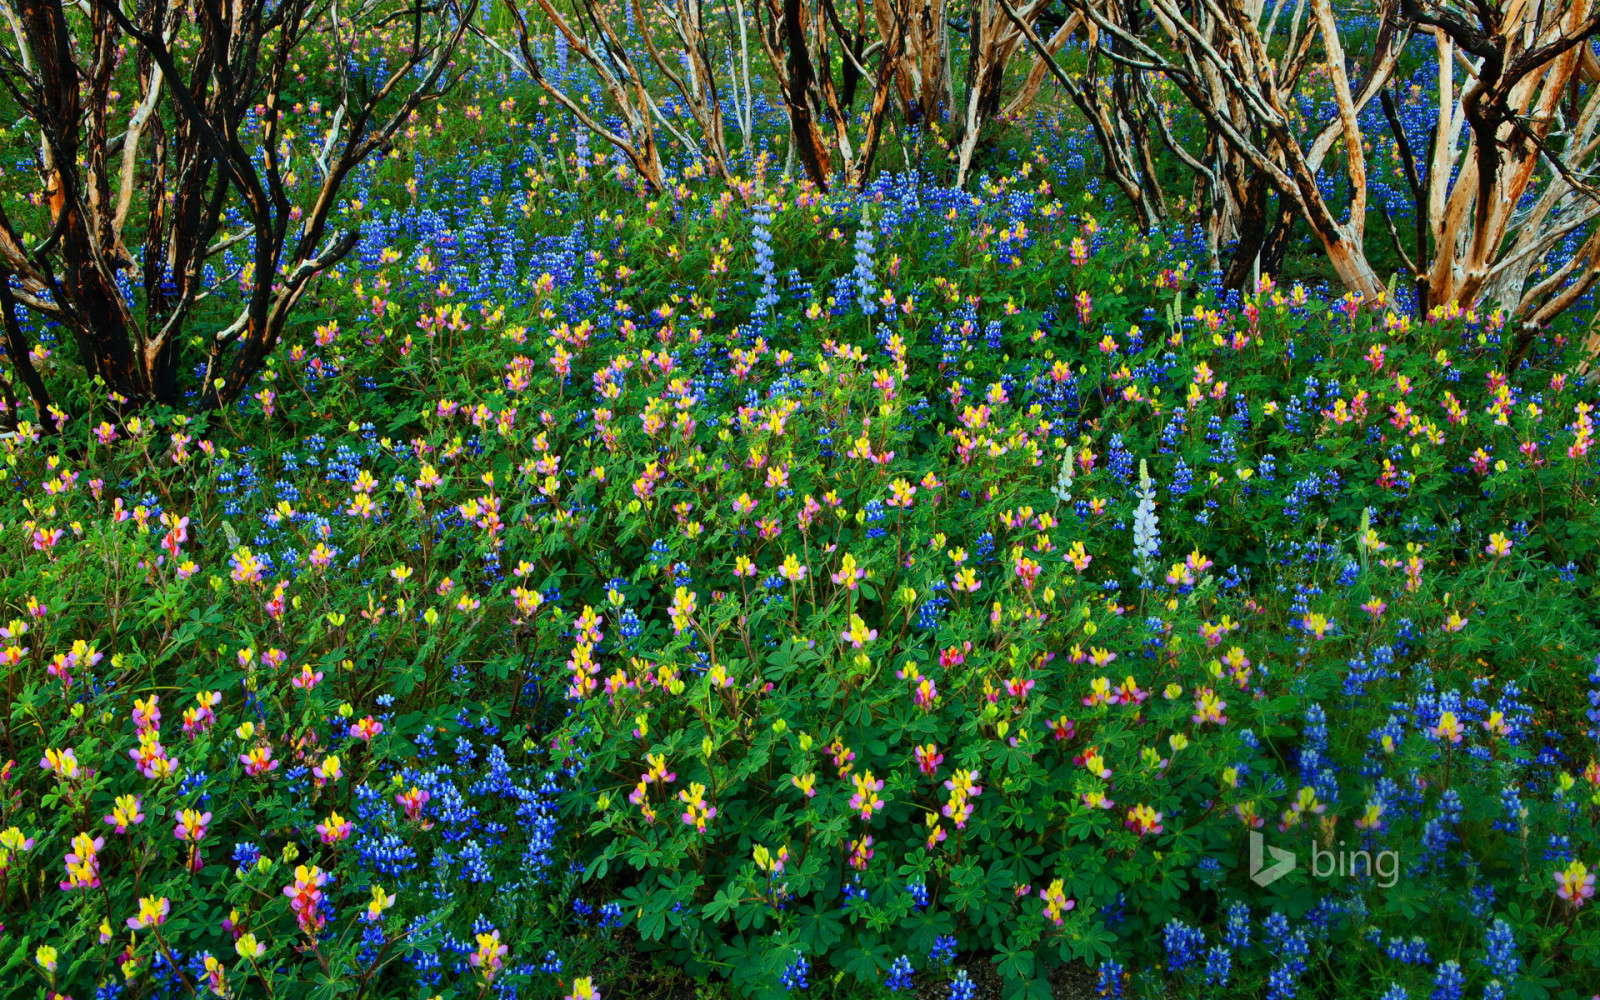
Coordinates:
(248, 947)
(46, 957)
(381, 901)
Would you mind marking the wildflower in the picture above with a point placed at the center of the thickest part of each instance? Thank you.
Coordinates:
(1305, 803)
(583, 989)
(768, 862)
(1499, 545)
(697, 812)
(1097, 800)
(83, 863)
(248, 948)
(381, 901)
(305, 898)
(12, 841)
(412, 800)
(489, 958)
(1094, 763)
(1146, 533)
(199, 719)
(804, 782)
(1078, 557)
(682, 609)
(334, 829)
(1099, 692)
(216, 976)
(1056, 902)
(962, 987)
(849, 574)
(1449, 728)
(860, 852)
(153, 912)
(1142, 819)
(858, 635)
(899, 977)
(1246, 811)
(151, 759)
(1575, 884)
(792, 570)
(1018, 688)
(841, 754)
(1128, 694)
(866, 800)
(258, 761)
(658, 769)
(1208, 708)
(191, 826)
(147, 715)
(928, 758)
(46, 957)
(329, 770)
(1372, 817)
(1316, 624)
(926, 694)
(62, 763)
(794, 976)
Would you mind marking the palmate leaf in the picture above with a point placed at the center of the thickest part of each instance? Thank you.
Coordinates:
(788, 658)
(818, 927)
(867, 961)
(723, 902)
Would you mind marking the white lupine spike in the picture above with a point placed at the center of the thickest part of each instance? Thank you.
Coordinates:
(1063, 488)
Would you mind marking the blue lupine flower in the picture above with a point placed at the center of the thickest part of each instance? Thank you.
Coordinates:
(794, 977)
(1448, 982)
(899, 977)
(1500, 951)
(962, 987)
(1219, 963)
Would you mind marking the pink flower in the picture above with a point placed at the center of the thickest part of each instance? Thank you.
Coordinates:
(125, 813)
(1143, 819)
(412, 801)
(954, 657)
(334, 829)
(200, 718)
(191, 826)
(147, 714)
(366, 729)
(306, 679)
(153, 912)
(258, 761)
(1575, 884)
(305, 898)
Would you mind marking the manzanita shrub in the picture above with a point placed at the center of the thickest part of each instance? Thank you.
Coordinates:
(580, 593)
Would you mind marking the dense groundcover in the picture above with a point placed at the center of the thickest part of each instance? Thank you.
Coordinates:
(787, 591)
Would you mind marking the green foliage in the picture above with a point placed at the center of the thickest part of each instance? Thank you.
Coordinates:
(548, 530)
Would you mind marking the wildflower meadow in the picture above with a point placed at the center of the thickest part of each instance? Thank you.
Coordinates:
(603, 501)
